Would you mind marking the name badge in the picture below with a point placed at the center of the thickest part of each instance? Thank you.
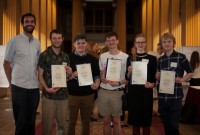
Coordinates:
(145, 60)
(173, 64)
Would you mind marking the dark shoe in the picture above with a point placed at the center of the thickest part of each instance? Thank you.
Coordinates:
(124, 124)
(156, 115)
(100, 116)
(93, 119)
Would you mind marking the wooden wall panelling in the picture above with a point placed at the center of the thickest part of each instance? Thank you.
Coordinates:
(149, 31)
(1, 20)
(192, 24)
(76, 18)
(43, 24)
(54, 17)
(49, 21)
(9, 20)
(121, 23)
(164, 22)
(175, 21)
(25, 8)
(36, 12)
(144, 14)
(156, 23)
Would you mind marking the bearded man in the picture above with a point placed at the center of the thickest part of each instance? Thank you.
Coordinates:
(20, 65)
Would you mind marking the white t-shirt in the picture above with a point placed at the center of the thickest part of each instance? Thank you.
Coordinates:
(196, 72)
(102, 65)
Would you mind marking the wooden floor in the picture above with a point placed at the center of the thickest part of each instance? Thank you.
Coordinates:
(7, 122)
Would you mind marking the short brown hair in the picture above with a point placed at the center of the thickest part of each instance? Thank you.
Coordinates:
(110, 34)
(166, 36)
(80, 36)
(27, 14)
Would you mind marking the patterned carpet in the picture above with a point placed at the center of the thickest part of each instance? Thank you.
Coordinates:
(97, 128)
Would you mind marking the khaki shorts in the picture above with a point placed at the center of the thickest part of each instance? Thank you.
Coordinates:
(110, 102)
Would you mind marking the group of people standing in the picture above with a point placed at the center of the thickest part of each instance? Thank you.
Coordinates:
(23, 58)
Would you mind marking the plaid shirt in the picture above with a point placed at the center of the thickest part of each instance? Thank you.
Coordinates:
(46, 59)
(164, 63)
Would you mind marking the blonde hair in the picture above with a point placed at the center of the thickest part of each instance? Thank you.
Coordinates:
(90, 49)
(140, 35)
(168, 35)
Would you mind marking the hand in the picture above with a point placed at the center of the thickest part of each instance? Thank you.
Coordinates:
(68, 70)
(94, 86)
(52, 90)
(129, 72)
(149, 85)
(113, 83)
(74, 75)
(157, 75)
(104, 80)
(129, 69)
(178, 80)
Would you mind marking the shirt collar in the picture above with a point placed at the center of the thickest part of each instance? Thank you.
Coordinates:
(50, 50)
(76, 53)
(28, 39)
(173, 52)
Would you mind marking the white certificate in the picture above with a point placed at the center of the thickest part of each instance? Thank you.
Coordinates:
(58, 76)
(113, 69)
(139, 72)
(167, 82)
(84, 74)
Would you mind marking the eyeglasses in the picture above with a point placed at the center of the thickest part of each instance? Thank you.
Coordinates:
(111, 40)
(140, 42)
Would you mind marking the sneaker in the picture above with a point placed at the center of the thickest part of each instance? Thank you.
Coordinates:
(111, 124)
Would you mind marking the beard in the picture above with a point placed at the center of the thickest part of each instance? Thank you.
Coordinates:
(54, 46)
(29, 30)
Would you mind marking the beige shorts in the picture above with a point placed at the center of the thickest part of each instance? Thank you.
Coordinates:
(110, 102)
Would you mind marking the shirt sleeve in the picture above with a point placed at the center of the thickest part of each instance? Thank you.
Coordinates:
(96, 71)
(128, 63)
(10, 51)
(41, 61)
(39, 49)
(100, 63)
(186, 65)
(154, 65)
(158, 64)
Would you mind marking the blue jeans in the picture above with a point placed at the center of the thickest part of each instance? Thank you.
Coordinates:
(25, 103)
(170, 114)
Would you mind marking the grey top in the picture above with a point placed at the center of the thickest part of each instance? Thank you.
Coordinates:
(23, 53)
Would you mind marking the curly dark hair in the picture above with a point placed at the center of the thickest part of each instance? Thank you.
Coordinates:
(27, 14)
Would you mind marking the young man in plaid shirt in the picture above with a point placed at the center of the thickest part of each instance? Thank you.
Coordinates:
(170, 104)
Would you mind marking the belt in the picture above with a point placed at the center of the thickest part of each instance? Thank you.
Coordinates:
(118, 89)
